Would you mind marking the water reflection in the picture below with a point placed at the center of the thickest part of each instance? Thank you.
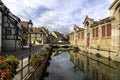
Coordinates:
(61, 68)
(96, 68)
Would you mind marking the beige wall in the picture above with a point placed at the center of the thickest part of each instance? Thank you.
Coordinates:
(115, 16)
(108, 42)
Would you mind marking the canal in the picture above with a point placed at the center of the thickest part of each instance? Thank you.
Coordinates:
(61, 68)
(70, 65)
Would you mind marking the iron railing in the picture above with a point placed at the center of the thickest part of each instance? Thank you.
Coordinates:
(24, 67)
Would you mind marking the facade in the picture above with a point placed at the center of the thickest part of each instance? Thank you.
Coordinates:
(25, 34)
(115, 16)
(58, 37)
(39, 35)
(45, 36)
(36, 36)
(101, 36)
(10, 30)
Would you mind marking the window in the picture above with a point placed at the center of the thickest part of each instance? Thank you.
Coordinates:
(103, 31)
(97, 32)
(8, 31)
(108, 29)
(82, 35)
(79, 35)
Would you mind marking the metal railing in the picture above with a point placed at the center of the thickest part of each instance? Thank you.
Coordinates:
(24, 67)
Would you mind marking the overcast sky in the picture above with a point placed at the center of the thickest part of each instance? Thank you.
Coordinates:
(59, 15)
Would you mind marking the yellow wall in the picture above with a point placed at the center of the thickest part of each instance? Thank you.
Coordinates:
(105, 43)
(80, 42)
(94, 42)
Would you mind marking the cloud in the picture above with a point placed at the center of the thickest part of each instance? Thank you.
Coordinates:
(59, 15)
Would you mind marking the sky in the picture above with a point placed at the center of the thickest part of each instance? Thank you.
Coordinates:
(59, 15)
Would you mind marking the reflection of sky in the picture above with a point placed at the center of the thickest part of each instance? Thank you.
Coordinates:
(61, 68)
(51, 13)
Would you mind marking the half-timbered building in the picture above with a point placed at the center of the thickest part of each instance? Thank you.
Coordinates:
(10, 30)
(40, 35)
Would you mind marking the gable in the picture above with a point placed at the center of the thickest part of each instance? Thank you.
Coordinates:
(113, 4)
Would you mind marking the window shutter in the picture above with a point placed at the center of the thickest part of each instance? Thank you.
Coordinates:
(97, 32)
(108, 29)
(103, 31)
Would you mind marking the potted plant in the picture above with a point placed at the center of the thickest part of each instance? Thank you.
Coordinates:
(35, 60)
(5, 69)
(13, 62)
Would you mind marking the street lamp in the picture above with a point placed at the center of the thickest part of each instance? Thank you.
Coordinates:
(30, 24)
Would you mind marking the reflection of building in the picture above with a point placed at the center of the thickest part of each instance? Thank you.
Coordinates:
(96, 68)
(10, 30)
(103, 35)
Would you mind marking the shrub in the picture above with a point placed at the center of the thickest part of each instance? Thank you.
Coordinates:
(43, 53)
(5, 69)
(36, 60)
(12, 61)
(98, 55)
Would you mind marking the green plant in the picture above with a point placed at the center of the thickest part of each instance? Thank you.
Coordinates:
(13, 62)
(98, 47)
(98, 55)
(5, 69)
(36, 59)
(43, 53)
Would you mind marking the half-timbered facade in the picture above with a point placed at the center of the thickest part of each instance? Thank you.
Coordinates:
(39, 35)
(11, 30)
(36, 36)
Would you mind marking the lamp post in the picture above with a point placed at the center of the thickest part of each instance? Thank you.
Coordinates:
(30, 24)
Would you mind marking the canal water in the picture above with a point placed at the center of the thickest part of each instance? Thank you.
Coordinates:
(70, 65)
(61, 68)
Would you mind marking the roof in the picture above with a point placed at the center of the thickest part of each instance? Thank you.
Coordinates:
(36, 30)
(87, 18)
(105, 20)
(10, 15)
(24, 23)
(45, 31)
(76, 28)
(115, 1)
(71, 33)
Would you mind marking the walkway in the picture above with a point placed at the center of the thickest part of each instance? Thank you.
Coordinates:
(22, 52)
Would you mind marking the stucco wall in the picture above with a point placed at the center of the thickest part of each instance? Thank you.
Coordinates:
(8, 45)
